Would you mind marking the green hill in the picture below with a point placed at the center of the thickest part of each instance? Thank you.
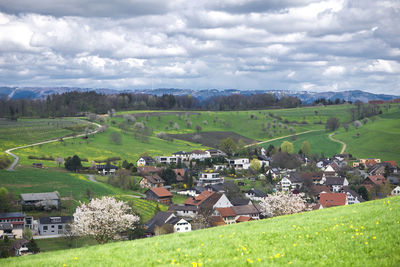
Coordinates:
(359, 235)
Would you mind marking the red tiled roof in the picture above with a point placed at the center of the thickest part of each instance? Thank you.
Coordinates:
(244, 219)
(392, 162)
(377, 179)
(226, 212)
(161, 192)
(370, 162)
(199, 199)
(332, 199)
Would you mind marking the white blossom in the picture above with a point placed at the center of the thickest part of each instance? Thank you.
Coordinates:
(281, 203)
(103, 219)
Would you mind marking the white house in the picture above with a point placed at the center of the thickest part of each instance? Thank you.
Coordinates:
(184, 156)
(256, 195)
(145, 161)
(211, 178)
(352, 196)
(184, 210)
(239, 164)
(167, 217)
(396, 191)
(199, 154)
(180, 225)
(166, 159)
(53, 225)
(222, 202)
(104, 169)
(334, 183)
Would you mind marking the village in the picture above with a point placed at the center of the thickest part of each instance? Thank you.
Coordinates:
(220, 190)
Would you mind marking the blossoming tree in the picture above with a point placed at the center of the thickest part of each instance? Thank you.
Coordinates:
(281, 203)
(103, 219)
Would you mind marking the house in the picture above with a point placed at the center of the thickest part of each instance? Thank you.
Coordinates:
(275, 173)
(210, 178)
(317, 190)
(145, 170)
(256, 195)
(180, 174)
(244, 219)
(239, 164)
(19, 247)
(316, 177)
(366, 162)
(240, 201)
(17, 220)
(184, 156)
(374, 180)
(335, 183)
(145, 161)
(352, 196)
(227, 214)
(215, 153)
(396, 191)
(378, 169)
(53, 225)
(392, 165)
(219, 188)
(247, 210)
(332, 200)
(159, 194)
(209, 199)
(217, 220)
(184, 210)
(37, 165)
(331, 170)
(166, 159)
(152, 181)
(105, 169)
(6, 230)
(219, 167)
(199, 154)
(47, 201)
(293, 180)
(165, 219)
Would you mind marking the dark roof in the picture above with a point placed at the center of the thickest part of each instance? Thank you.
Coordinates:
(216, 187)
(17, 244)
(334, 180)
(176, 207)
(149, 159)
(199, 189)
(173, 220)
(6, 226)
(245, 209)
(40, 196)
(347, 189)
(211, 200)
(240, 201)
(103, 166)
(158, 220)
(295, 177)
(181, 153)
(312, 175)
(154, 179)
(11, 215)
(257, 193)
(55, 220)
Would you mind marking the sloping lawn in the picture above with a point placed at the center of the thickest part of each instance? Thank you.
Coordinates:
(364, 234)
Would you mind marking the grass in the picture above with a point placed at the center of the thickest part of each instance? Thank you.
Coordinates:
(359, 235)
(319, 143)
(28, 131)
(378, 139)
(178, 199)
(59, 243)
(71, 186)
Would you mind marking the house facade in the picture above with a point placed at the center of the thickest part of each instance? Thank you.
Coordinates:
(103, 169)
(145, 161)
(16, 220)
(239, 164)
(152, 181)
(396, 191)
(159, 194)
(256, 195)
(210, 178)
(53, 225)
(49, 200)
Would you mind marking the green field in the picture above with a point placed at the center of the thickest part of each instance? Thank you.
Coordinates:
(70, 186)
(319, 142)
(28, 131)
(364, 234)
(378, 139)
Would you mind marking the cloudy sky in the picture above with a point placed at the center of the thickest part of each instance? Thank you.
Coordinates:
(243, 44)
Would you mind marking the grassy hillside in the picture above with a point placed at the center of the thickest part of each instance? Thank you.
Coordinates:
(28, 131)
(378, 139)
(71, 186)
(319, 142)
(360, 235)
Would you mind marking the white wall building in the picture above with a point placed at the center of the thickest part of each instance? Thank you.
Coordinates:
(239, 164)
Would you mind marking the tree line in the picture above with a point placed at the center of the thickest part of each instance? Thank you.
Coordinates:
(77, 103)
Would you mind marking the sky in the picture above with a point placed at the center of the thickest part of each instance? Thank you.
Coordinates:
(240, 44)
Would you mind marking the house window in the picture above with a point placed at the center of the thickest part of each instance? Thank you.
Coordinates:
(177, 229)
(52, 226)
(186, 228)
(60, 227)
(45, 228)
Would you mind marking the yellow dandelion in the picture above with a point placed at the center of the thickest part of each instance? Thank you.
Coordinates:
(277, 255)
(159, 261)
(208, 259)
(357, 234)
(194, 264)
(299, 236)
(352, 236)
(75, 258)
(342, 224)
(334, 219)
(294, 226)
(250, 261)
(244, 248)
(374, 237)
(294, 245)
(362, 227)
(316, 233)
(202, 244)
(186, 255)
(290, 262)
(361, 233)
(263, 233)
(351, 226)
(200, 264)
(388, 201)
(220, 236)
(178, 249)
(356, 230)
(234, 258)
(366, 243)
(258, 259)
(377, 222)
(64, 265)
(237, 249)
(390, 209)
(307, 236)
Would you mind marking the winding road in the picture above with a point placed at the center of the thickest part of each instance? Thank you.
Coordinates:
(338, 141)
(282, 137)
(16, 158)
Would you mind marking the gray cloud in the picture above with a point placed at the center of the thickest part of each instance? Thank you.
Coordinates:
(297, 45)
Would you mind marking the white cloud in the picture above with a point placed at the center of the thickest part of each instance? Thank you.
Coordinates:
(334, 71)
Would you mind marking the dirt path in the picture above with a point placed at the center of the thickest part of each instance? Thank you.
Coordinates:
(91, 178)
(282, 137)
(16, 158)
(338, 141)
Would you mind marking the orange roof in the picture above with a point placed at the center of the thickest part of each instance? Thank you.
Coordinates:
(370, 162)
(392, 162)
(377, 179)
(161, 192)
(179, 171)
(333, 199)
(199, 199)
(244, 219)
(226, 212)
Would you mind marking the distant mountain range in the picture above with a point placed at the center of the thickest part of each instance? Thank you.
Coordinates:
(305, 96)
